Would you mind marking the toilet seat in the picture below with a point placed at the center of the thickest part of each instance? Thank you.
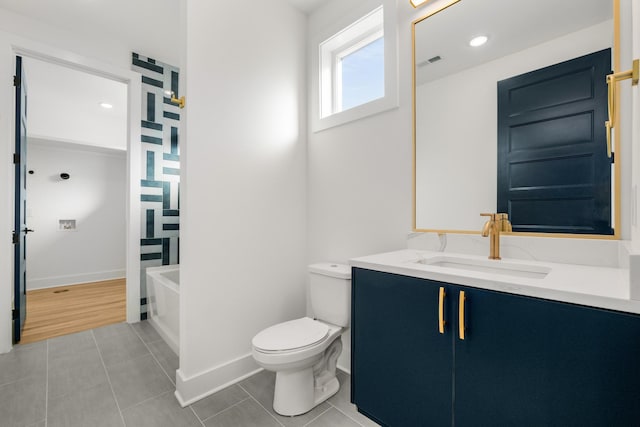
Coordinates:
(292, 335)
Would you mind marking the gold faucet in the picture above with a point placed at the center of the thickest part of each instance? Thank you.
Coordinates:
(497, 222)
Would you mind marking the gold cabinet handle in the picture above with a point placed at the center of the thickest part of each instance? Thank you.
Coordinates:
(461, 315)
(441, 321)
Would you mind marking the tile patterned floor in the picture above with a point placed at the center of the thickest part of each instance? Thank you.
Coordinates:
(123, 375)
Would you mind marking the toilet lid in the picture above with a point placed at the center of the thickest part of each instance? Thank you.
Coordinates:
(291, 335)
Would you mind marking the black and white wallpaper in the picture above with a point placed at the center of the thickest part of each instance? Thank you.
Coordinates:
(160, 183)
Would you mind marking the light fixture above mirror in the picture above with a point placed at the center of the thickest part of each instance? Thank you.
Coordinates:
(416, 3)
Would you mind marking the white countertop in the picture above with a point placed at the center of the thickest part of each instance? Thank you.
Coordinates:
(601, 287)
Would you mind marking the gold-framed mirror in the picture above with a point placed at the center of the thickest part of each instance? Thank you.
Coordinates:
(457, 172)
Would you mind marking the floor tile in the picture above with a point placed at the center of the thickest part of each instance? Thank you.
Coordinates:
(146, 331)
(333, 418)
(261, 387)
(248, 413)
(93, 407)
(22, 362)
(137, 380)
(162, 411)
(23, 402)
(119, 343)
(81, 393)
(342, 401)
(218, 402)
(61, 347)
(168, 360)
(111, 331)
(75, 372)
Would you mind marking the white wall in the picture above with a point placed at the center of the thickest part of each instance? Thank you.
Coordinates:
(243, 235)
(94, 196)
(634, 52)
(631, 50)
(360, 173)
(359, 190)
(442, 142)
(6, 201)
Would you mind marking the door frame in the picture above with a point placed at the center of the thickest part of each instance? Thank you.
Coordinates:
(18, 46)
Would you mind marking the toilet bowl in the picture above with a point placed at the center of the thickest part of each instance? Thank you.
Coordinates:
(305, 370)
(304, 352)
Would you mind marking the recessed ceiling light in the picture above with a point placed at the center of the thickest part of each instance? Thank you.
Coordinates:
(106, 105)
(478, 41)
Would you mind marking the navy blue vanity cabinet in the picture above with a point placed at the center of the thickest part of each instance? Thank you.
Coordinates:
(523, 361)
(532, 362)
(401, 365)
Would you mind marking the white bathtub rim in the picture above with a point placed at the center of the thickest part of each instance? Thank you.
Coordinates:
(168, 337)
(156, 274)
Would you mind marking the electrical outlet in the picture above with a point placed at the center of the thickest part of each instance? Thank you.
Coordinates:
(67, 225)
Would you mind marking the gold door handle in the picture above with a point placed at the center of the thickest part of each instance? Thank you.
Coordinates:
(441, 321)
(612, 102)
(461, 327)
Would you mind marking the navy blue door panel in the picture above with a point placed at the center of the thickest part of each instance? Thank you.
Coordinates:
(554, 175)
(531, 362)
(399, 358)
(20, 227)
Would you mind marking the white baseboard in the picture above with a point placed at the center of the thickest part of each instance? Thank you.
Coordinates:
(74, 279)
(190, 390)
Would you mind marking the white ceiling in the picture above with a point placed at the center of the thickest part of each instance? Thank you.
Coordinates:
(307, 6)
(143, 26)
(63, 105)
(511, 26)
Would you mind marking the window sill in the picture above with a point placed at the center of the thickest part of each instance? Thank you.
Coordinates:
(372, 108)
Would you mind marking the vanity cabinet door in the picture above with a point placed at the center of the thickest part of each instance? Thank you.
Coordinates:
(401, 363)
(532, 362)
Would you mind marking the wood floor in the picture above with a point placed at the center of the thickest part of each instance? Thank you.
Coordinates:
(65, 310)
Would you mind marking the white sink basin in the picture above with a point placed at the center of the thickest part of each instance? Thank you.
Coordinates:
(506, 268)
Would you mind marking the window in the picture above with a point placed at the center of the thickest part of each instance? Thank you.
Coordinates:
(361, 75)
(352, 65)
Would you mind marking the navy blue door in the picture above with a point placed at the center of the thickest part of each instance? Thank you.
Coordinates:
(401, 365)
(554, 174)
(20, 227)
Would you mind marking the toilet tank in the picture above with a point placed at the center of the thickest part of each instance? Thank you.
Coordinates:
(330, 292)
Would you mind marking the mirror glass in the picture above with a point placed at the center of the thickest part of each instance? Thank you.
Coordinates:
(456, 102)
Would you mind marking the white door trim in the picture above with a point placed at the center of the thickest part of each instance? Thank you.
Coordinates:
(28, 48)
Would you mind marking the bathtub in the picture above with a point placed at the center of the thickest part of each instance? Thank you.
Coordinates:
(163, 302)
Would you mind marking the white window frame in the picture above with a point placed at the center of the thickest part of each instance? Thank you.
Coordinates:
(339, 40)
(357, 35)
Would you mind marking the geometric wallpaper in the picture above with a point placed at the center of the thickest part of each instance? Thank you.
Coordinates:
(160, 184)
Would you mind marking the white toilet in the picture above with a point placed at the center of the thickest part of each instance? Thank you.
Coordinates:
(303, 352)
